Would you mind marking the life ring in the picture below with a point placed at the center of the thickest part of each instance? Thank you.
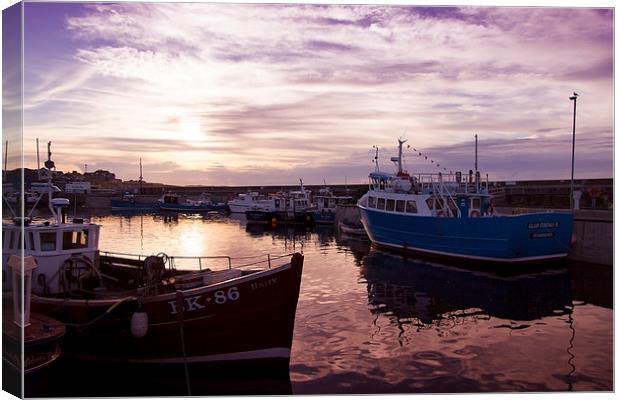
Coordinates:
(441, 213)
(474, 214)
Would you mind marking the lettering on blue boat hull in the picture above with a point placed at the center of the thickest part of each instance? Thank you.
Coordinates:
(510, 238)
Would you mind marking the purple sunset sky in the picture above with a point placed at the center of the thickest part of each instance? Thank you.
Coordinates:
(228, 94)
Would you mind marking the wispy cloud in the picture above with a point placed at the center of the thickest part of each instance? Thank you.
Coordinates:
(280, 90)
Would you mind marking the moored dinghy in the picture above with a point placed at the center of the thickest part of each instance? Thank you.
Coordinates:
(452, 215)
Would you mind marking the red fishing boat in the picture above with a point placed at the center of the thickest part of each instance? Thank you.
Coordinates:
(134, 309)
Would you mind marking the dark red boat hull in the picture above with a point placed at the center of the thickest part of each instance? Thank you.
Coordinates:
(248, 318)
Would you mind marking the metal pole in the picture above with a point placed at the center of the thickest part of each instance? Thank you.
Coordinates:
(572, 172)
(476, 165)
(476, 154)
(6, 158)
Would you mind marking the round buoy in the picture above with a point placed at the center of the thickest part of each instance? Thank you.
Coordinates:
(139, 324)
(274, 221)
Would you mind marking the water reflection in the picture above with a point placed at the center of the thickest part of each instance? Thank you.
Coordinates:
(369, 321)
(427, 294)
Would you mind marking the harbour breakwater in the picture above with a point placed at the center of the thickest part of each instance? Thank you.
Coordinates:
(591, 193)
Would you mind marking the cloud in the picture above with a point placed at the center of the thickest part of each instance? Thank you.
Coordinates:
(276, 90)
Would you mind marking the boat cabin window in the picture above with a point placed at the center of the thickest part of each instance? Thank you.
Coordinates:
(372, 202)
(389, 205)
(75, 239)
(169, 199)
(14, 240)
(381, 203)
(475, 203)
(400, 205)
(48, 241)
(412, 207)
(438, 203)
(11, 240)
(30, 241)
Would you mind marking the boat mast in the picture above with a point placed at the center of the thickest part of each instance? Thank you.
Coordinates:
(476, 154)
(376, 158)
(476, 174)
(38, 161)
(140, 176)
(400, 154)
(6, 158)
(49, 166)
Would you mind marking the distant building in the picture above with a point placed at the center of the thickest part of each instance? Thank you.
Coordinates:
(103, 179)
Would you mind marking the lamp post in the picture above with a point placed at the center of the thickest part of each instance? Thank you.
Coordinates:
(572, 172)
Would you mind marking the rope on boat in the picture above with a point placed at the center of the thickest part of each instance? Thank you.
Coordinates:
(180, 320)
(96, 319)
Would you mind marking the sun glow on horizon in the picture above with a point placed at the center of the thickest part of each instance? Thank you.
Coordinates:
(232, 94)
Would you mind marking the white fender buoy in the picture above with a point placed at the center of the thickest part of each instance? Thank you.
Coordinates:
(139, 324)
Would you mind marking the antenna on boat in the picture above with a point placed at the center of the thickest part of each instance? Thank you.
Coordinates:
(50, 166)
(476, 153)
(376, 158)
(38, 161)
(140, 175)
(476, 172)
(400, 154)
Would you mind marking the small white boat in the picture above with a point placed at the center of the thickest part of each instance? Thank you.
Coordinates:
(350, 229)
(245, 201)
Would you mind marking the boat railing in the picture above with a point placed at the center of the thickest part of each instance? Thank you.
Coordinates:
(454, 182)
(443, 192)
(203, 262)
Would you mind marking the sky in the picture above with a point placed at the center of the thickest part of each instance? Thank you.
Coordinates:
(246, 94)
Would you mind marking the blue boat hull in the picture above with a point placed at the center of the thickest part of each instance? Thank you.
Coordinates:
(191, 208)
(133, 205)
(511, 238)
(323, 217)
(298, 217)
(260, 217)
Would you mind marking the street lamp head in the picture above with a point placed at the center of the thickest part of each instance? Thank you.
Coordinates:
(573, 98)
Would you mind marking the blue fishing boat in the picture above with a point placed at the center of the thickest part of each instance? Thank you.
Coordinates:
(129, 202)
(452, 215)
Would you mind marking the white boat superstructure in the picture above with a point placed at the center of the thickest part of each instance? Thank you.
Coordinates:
(245, 201)
(65, 252)
(326, 201)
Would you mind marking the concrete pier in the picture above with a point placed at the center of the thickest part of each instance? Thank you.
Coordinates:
(594, 231)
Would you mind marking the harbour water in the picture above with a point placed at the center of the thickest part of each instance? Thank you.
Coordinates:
(369, 321)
